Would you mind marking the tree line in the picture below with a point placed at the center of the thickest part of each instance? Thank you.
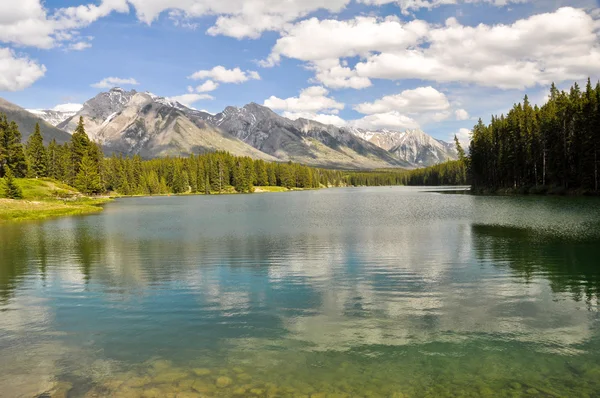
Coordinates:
(81, 163)
(553, 147)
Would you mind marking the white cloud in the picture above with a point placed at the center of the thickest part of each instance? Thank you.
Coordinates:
(110, 82)
(421, 99)
(461, 114)
(207, 86)
(390, 120)
(18, 72)
(28, 23)
(413, 5)
(224, 75)
(70, 107)
(339, 39)
(189, 99)
(312, 99)
(439, 116)
(319, 117)
(238, 18)
(338, 76)
(556, 46)
(79, 46)
(464, 137)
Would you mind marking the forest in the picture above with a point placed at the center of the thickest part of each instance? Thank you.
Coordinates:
(553, 148)
(81, 164)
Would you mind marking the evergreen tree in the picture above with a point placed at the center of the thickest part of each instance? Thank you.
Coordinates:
(80, 147)
(14, 155)
(36, 154)
(11, 189)
(88, 179)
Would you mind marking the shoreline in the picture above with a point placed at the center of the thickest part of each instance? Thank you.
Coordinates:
(534, 191)
(19, 210)
(43, 208)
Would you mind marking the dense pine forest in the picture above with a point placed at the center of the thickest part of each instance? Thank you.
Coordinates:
(81, 164)
(553, 148)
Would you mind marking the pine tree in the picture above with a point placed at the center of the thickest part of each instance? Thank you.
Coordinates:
(88, 179)
(3, 142)
(15, 155)
(36, 154)
(80, 146)
(11, 189)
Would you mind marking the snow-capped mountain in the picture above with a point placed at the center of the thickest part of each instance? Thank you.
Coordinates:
(304, 141)
(413, 146)
(132, 122)
(58, 114)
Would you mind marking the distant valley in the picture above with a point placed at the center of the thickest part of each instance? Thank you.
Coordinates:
(131, 122)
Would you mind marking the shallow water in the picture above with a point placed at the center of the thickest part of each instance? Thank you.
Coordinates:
(364, 292)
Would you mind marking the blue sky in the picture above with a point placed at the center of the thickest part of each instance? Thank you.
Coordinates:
(374, 64)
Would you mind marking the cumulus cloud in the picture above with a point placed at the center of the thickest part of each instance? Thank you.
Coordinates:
(311, 99)
(393, 120)
(413, 5)
(109, 82)
(70, 107)
(319, 117)
(190, 98)
(421, 99)
(28, 23)
(461, 114)
(224, 75)
(207, 86)
(18, 72)
(464, 137)
(238, 18)
(555, 46)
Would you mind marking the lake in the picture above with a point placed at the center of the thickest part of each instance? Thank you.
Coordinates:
(349, 292)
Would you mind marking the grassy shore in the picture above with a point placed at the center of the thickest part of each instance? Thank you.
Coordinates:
(45, 198)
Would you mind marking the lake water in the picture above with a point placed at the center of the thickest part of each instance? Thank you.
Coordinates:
(365, 292)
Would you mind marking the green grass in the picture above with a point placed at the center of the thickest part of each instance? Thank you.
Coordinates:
(270, 189)
(46, 198)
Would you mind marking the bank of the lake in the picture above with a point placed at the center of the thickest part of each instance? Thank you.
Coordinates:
(47, 198)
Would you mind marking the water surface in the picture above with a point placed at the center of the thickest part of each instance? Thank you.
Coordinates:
(358, 292)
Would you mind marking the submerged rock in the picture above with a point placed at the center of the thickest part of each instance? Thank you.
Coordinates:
(61, 390)
(170, 377)
(201, 371)
(223, 382)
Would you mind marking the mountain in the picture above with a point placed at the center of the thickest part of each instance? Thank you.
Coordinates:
(413, 146)
(130, 123)
(26, 122)
(57, 115)
(303, 141)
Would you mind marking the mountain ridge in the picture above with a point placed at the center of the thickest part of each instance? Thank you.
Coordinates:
(131, 122)
(27, 121)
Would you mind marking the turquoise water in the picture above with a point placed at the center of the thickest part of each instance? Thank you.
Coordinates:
(363, 292)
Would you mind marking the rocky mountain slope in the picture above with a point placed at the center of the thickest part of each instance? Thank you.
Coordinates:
(413, 146)
(303, 141)
(130, 123)
(26, 122)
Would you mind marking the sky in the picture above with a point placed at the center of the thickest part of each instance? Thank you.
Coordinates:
(438, 65)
